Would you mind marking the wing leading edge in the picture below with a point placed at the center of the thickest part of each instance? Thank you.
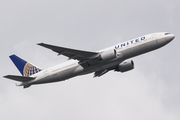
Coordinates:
(71, 53)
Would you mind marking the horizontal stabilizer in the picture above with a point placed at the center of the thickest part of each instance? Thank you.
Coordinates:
(19, 78)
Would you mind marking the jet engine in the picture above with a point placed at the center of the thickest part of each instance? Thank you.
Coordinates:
(109, 54)
(125, 66)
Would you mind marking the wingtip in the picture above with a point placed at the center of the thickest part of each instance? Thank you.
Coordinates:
(5, 76)
(40, 43)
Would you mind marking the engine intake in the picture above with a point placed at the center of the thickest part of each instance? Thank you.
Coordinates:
(109, 54)
(125, 66)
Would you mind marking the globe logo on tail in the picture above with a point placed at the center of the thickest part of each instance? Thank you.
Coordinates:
(29, 70)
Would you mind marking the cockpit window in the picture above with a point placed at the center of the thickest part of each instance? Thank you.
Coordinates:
(167, 33)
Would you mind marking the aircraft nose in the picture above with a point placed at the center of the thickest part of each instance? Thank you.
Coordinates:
(173, 36)
(165, 39)
(170, 37)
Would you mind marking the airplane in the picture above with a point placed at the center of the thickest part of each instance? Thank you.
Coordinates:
(84, 62)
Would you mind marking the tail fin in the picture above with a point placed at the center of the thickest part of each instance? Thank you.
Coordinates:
(25, 68)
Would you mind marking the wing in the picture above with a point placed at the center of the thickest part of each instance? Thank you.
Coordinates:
(71, 53)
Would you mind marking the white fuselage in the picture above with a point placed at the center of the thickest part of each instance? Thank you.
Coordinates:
(124, 51)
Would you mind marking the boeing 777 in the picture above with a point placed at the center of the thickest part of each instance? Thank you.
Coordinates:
(84, 62)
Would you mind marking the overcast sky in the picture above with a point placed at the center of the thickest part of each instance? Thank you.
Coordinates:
(149, 92)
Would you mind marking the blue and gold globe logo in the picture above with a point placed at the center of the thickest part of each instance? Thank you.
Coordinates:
(29, 70)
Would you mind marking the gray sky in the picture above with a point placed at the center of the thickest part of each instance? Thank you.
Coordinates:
(149, 92)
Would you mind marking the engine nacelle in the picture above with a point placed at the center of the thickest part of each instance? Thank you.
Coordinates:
(109, 54)
(125, 66)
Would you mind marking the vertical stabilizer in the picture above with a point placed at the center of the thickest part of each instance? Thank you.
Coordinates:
(25, 68)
